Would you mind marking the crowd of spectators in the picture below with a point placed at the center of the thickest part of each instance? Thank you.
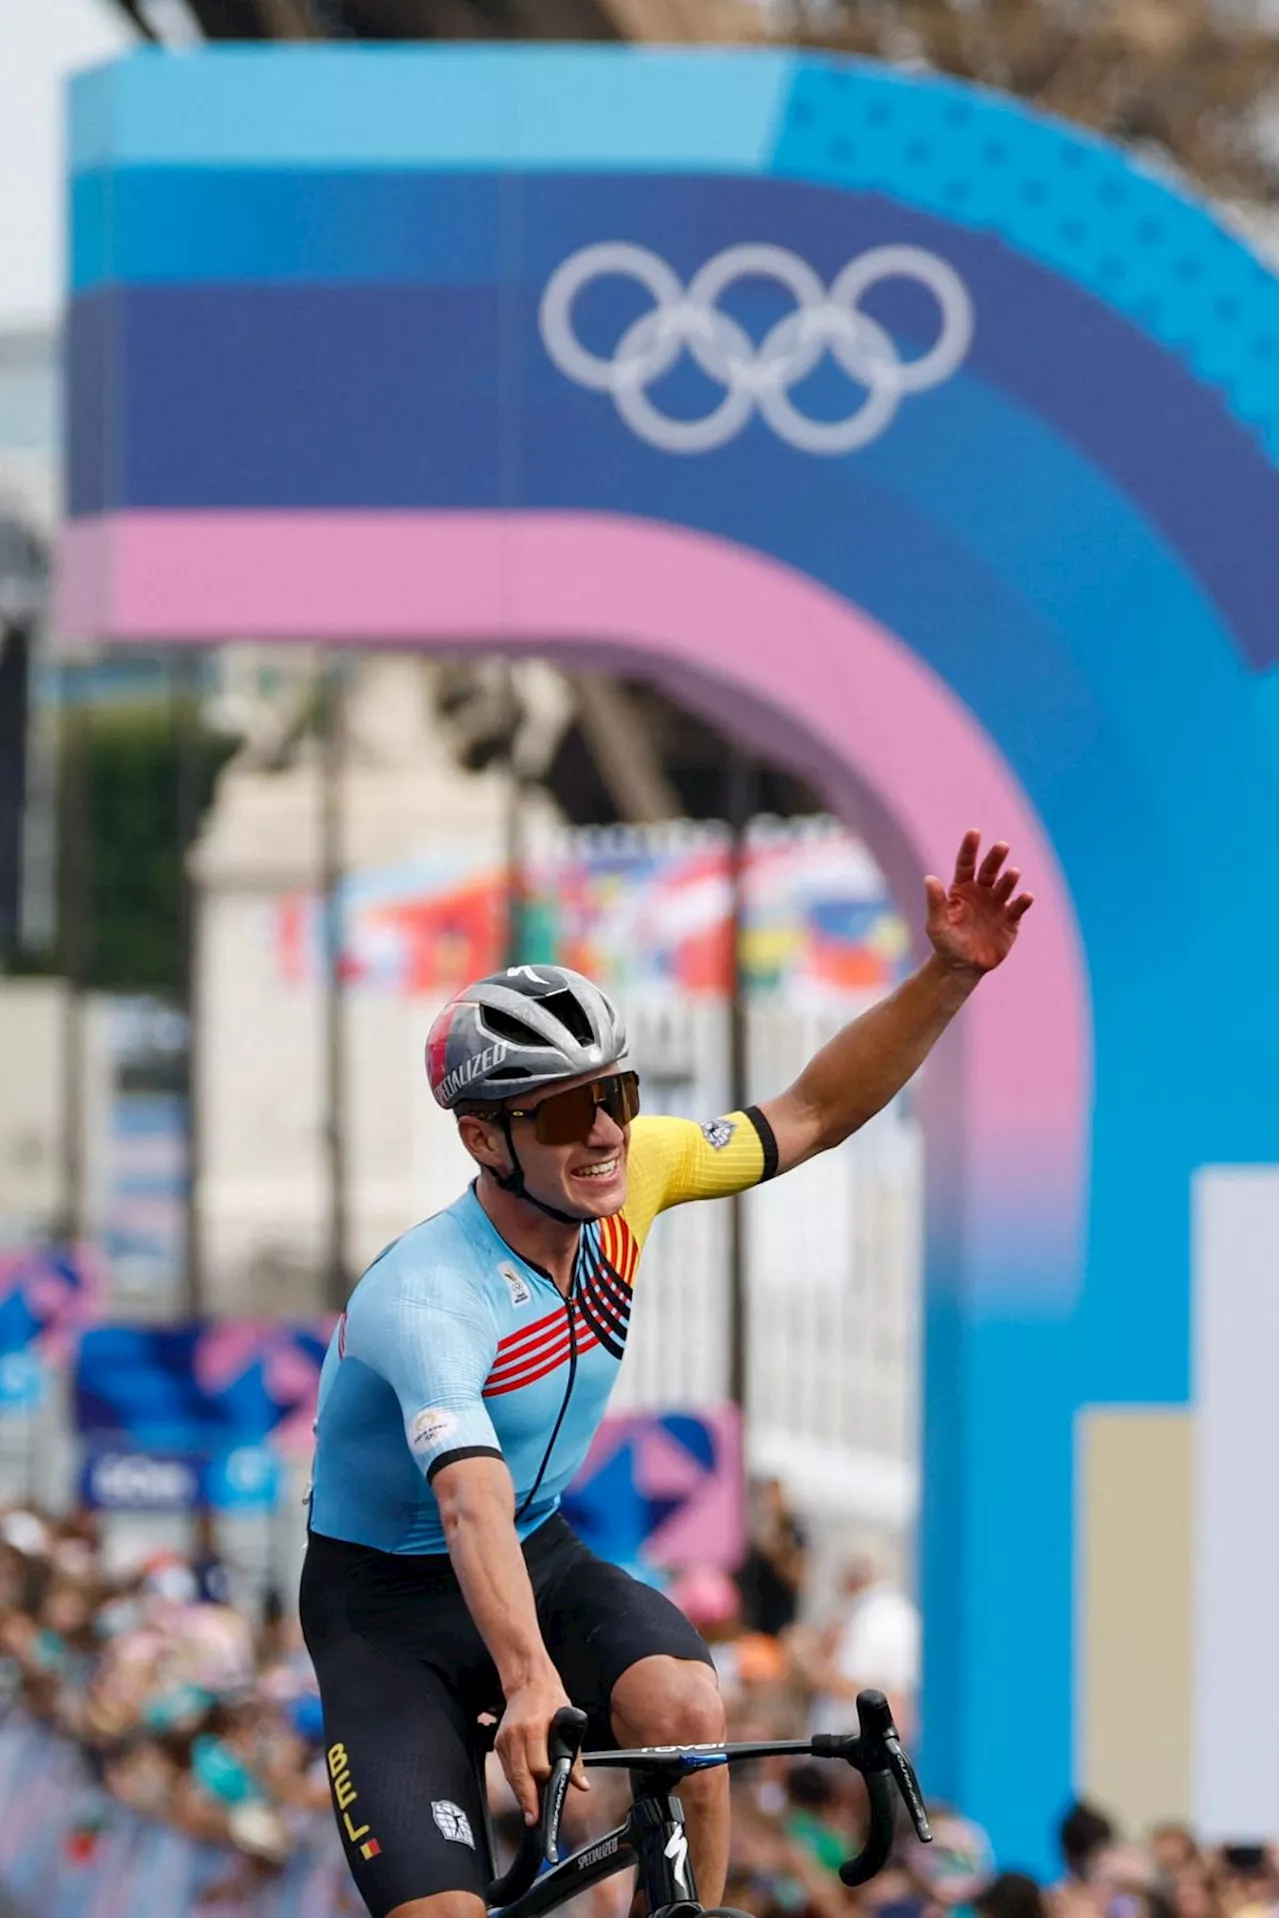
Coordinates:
(182, 1709)
(185, 1712)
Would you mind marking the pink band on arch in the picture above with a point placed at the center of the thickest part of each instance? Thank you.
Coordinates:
(697, 603)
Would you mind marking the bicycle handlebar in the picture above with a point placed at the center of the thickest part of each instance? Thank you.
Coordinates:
(875, 1751)
(540, 1844)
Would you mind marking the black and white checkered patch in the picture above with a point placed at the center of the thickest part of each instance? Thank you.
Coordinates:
(453, 1821)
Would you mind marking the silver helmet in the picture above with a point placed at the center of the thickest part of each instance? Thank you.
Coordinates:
(519, 1029)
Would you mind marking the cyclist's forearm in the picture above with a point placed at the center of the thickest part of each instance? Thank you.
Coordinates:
(867, 1062)
(485, 1550)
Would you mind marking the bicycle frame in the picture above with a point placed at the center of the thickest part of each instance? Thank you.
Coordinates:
(653, 1836)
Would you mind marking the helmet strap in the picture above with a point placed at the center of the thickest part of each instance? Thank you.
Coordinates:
(513, 1182)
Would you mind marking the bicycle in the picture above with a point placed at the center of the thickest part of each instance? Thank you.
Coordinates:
(653, 1836)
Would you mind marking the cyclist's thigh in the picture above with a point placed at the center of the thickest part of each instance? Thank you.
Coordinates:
(401, 1776)
(597, 1621)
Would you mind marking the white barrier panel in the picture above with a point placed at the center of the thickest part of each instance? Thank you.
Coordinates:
(69, 1850)
(1234, 1388)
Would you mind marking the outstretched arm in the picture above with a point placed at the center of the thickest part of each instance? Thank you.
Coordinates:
(972, 925)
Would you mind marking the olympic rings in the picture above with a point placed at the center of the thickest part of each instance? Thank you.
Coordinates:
(689, 320)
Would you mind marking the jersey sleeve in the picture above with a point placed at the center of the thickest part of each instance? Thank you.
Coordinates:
(674, 1160)
(436, 1358)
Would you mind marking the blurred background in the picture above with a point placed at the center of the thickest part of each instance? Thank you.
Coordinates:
(264, 805)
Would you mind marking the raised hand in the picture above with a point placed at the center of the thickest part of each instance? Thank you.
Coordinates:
(974, 922)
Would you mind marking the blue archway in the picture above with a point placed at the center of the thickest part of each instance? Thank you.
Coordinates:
(345, 363)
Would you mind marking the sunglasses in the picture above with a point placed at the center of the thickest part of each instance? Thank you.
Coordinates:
(566, 1118)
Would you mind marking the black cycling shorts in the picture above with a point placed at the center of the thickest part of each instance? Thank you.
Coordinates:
(404, 1674)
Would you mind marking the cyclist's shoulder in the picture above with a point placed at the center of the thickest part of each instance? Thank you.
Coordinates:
(438, 1261)
(657, 1134)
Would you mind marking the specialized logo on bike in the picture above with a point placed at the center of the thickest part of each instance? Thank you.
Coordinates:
(825, 321)
(595, 1853)
(453, 1821)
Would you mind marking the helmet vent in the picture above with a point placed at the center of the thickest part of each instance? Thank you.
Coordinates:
(564, 1006)
(502, 1026)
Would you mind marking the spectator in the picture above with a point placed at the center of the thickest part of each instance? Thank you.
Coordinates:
(1247, 1880)
(1193, 1893)
(957, 1868)
(813, 1819)
(1011, 1895)
(773, 1571)
(1116, 1869)
(875, 1642)
(1084, 1831)
(1174, 1848)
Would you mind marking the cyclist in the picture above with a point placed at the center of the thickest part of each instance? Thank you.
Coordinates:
(469, 1373)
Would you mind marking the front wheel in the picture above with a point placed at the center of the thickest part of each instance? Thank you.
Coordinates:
(682, 1909)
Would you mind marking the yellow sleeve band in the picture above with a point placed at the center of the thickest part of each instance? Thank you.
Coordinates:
(674, 1160)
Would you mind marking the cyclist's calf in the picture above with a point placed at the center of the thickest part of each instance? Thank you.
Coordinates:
(444, 1904)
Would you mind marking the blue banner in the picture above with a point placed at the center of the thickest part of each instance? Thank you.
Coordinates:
(207, 1389)
(116, 1478)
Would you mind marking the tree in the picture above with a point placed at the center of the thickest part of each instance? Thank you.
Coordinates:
(1190, 77)
(128, 810)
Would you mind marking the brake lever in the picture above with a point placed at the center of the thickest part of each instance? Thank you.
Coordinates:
(904, 1777)
(877, 1753)
(564, 1742)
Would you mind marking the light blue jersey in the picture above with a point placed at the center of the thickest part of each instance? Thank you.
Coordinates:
(452, 1346)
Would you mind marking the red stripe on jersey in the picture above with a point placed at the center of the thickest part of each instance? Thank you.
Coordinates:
(547, 1355)
(607, 1279)
(605, 1305)
(622, 1254)
(528, 1334)
(531, 1348)
(585, 1340)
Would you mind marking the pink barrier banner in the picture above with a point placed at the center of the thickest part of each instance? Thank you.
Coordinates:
(662, 1491)
(48, 1294)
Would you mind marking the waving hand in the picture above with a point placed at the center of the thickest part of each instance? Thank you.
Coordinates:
(974, 921)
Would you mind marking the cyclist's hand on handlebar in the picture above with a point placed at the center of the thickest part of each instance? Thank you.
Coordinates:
(521, 1743)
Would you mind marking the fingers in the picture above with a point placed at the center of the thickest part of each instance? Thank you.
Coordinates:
(989, 870)
(521, 1781)
(935, 894)
(967, 857)
(1006, 885)
(578, 1776)
(1022, 904)
(523, 1755)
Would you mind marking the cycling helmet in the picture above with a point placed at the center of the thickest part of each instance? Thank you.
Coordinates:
(518, 1030)
(513, 1032)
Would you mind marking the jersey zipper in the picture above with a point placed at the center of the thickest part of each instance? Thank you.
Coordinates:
(568, 1390)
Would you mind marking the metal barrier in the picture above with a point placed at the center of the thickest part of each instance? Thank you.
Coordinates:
(70, 1850)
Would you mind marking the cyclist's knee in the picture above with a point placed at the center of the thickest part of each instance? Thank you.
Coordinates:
(442, 1904)
(662, 1701)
